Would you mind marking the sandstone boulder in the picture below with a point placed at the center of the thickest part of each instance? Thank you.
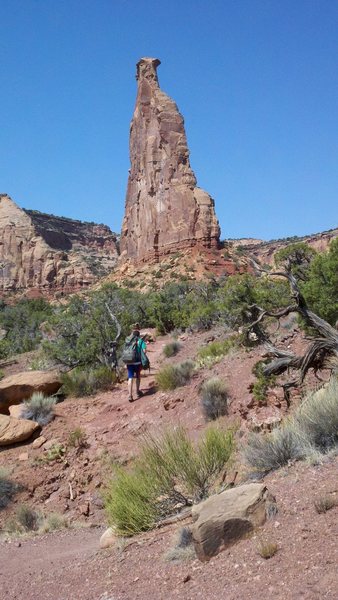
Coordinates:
(13, 430)
(108, 538)
(15, 410)
(16, 388)
(225, 518)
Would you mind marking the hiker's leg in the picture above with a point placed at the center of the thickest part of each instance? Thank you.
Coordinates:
(130, 387)
(138, 382)
(131, 373)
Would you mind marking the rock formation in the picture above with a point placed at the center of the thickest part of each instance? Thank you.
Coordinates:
(165, 211)
(48, 253)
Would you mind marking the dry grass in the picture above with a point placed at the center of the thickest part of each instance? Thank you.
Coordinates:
(325, 503)
(267, 548)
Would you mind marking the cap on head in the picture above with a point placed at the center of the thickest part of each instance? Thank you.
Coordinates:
(135, 327)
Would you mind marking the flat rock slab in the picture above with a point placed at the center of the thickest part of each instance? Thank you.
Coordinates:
(15, 430)
(17, 388)
(223, 519)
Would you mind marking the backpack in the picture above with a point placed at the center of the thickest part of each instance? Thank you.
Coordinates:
(131, 351)
(145, 360)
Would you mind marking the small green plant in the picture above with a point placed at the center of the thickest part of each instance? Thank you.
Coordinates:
(2, 374)
(325, 503)
(172, 376)
(169, 470)
(214, 398)
(214, 352)
(78, 438)
(171, 349)
(262, 384)
(317, 417)
(87, 382)
(39, 408)
(267, 549)
(56, 452)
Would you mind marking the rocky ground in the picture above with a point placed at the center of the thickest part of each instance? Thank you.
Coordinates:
(68, 565)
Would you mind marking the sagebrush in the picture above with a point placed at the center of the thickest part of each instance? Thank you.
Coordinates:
(86, 382)
(39, 408)
(313, 428)
(214, 398)
(173, 376)
(172, 348)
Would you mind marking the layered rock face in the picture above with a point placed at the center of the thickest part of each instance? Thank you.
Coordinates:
(47, 253)
(165, 211)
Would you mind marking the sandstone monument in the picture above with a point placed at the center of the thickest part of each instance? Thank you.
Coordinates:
(165, 210)
(45, 254)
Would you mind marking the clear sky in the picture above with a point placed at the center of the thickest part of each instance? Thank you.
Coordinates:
(256, 81)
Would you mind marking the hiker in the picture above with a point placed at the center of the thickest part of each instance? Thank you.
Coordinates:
(135, 357)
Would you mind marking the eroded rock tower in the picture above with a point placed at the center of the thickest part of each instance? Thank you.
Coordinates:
(165, 211)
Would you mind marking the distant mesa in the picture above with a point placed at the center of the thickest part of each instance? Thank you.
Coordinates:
(44, 254)
(165, 211)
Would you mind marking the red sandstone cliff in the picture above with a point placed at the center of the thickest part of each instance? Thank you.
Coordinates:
(165, 211)
(47, 254)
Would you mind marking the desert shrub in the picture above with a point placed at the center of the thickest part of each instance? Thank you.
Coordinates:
(313, 427)
(214, 398)
(170, 467)
(171, 349)
(8, 488)
(321, 286)
(86, 382)
(173, 376)
(27, 518)
(130, 501)
(325, 503)
(39, 408)
(217, 349)
(317, 417)
(262, 384)
(22, 322)
(266, 549)
(274, 450)
(78, 438)
(53, 522)
(183, 548)
(56, 452)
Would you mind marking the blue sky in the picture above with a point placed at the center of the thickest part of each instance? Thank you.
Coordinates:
(256, 81)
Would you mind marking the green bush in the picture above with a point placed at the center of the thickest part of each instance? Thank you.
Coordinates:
(171, 349)
(39, 408)
(22, 322)
(80, 382)
(262, 384)
(214, 398)
(168, 470)
(321, 286)
(172, 376)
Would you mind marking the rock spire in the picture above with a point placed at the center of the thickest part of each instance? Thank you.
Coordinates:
(165, 210)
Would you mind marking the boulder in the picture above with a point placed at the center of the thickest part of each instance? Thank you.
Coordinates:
(16, 388)
(223, 519)
(16, 410)
(15, 430)
(108, 538)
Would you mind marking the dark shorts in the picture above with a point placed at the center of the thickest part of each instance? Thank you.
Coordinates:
(134, 371)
